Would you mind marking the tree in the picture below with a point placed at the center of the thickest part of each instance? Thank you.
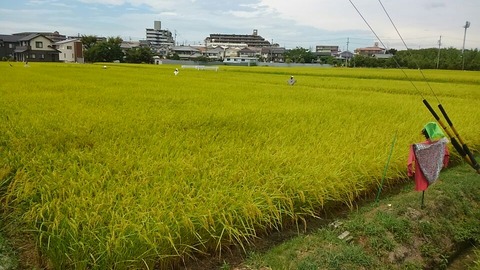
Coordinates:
(392, 51)
(300, 55)
(201, 59)
(102, 51)
(139, 55)
(450, 58)
(113, 50)
(174, 56)
(88, 41)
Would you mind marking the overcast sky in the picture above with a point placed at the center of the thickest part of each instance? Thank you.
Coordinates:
(290, 23)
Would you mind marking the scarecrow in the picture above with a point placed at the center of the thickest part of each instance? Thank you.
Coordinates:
(426, 159)
(292, 81)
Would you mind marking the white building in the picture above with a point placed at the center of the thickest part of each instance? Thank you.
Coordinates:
(240, 61)
(71, 50)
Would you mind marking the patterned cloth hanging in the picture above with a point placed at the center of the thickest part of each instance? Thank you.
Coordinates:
(430, 158)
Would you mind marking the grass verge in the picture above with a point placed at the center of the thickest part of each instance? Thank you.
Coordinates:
(395, 233)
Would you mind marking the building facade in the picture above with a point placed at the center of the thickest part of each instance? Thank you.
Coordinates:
(253, 40)
(186, 52)
(370, 51)
(273, 54)
(326, 50)
(70, 50)
(240, 61)
(36, 48)
(8, 43)
(160, 40)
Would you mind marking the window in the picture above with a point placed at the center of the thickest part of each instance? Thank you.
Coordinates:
(10, 46)
(38, 44)
(69, 47)
(42, 56)
(32, 56)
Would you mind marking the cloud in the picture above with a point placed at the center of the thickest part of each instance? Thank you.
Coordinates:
(304, 23)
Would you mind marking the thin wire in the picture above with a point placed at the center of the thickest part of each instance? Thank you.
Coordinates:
(462, 150)
(408, 50)
(380, 40)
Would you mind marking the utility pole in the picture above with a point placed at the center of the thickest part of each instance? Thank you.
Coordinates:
(175, 41)
(467, 25)
(346, 57)
(438, 56)
(271, 52)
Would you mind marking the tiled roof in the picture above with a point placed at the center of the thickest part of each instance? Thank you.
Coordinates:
(9, 38)
(29, 37)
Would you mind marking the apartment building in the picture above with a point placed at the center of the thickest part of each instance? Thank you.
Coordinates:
(160, 40)
(253, 40)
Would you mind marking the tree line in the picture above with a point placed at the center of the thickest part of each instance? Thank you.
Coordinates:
(447, 58)
(109, 50)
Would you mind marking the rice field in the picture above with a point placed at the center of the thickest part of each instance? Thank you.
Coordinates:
(133, 167)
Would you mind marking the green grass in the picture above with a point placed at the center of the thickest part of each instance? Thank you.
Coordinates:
(131, 166)
(395, 233)
(8, 257)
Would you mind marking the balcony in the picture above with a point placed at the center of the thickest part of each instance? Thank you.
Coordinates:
(20, 49)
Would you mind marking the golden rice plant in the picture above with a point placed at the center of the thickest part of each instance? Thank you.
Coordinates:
(132, 167)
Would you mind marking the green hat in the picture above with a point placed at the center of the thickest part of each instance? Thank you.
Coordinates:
(433, 130)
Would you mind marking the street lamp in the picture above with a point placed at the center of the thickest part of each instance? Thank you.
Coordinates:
(467, 25)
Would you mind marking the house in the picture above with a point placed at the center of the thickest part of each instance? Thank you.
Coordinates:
(36, 48)
(345, 55)
(240, 61)
(247, 52)
(186, 52)
(326, 50)
(232, 51)
(54, 36)
(273, 54)
(71, 50)
(7, 46)
(126, 45)
(217, 53)
(370, 51)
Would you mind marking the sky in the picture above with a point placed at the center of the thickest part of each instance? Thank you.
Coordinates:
(348, 24)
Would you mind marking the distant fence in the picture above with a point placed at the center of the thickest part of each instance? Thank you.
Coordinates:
(201, 67)
(268, 64)
(218, 63)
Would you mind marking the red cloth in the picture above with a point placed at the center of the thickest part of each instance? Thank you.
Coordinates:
(413, 168)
